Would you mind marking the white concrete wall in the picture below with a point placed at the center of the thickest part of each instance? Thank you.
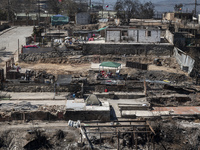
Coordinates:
(143, 38)
(184, 60)
(83, 18)
(113, 36)
(135, 36)
(199, 18)
(169, 36)
(132, 34)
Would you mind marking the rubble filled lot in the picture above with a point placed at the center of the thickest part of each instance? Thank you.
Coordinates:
(166, 86)
(177, 134)
(169, 134)
(38, 135)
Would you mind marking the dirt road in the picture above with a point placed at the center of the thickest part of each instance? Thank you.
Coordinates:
(56, 69)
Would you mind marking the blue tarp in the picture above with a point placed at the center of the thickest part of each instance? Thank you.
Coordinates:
(59, 20)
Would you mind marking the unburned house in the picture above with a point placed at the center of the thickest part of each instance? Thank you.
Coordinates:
(133, 34)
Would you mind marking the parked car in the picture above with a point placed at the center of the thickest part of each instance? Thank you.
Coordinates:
(31, 46)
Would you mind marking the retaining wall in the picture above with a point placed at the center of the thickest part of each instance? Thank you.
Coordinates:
(137, 65)
(45, 115)
(134, 49)
(4, 26)
(29, 115)
(59, 56)
(87, 115)
(23, 87)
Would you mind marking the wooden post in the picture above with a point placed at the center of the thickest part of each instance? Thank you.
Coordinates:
(152, 142)
(24, 118)
(18, 46)
(145, 50)
(117, 139)
(136, 141)
(145, 88)
(100, 139)
(132, 140)
(133, 137)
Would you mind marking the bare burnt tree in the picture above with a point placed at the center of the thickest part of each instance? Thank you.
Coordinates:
(54, 6)
(12, 7)
(70, 7)
(178, 7)
(147, 10)
(127, 9)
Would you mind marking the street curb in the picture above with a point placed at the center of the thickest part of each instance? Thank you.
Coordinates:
(6, 30)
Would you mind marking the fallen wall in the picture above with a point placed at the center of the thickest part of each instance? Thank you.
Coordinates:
(169, 36)
(134, 49)
(185, 61)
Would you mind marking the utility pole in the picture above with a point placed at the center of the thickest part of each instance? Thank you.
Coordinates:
(8, 17)
(195, 8)
(90, 4)
(38, 1)
(102, 8)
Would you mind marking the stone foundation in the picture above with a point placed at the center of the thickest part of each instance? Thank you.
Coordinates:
(41, 88)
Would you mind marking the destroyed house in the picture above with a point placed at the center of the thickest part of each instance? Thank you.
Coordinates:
(133, 34)
(175, 16)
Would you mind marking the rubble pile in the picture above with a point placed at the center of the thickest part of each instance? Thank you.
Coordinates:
(39, 138)
(24, 105)
(43, 75)
(176, 135)
(52, 108)
(43, 57)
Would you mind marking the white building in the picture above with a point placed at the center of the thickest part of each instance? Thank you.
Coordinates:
(133, 35)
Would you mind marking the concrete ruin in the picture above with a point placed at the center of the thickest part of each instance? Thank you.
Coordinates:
(60, 96)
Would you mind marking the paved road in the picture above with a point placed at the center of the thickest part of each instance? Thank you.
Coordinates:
(9, 40)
